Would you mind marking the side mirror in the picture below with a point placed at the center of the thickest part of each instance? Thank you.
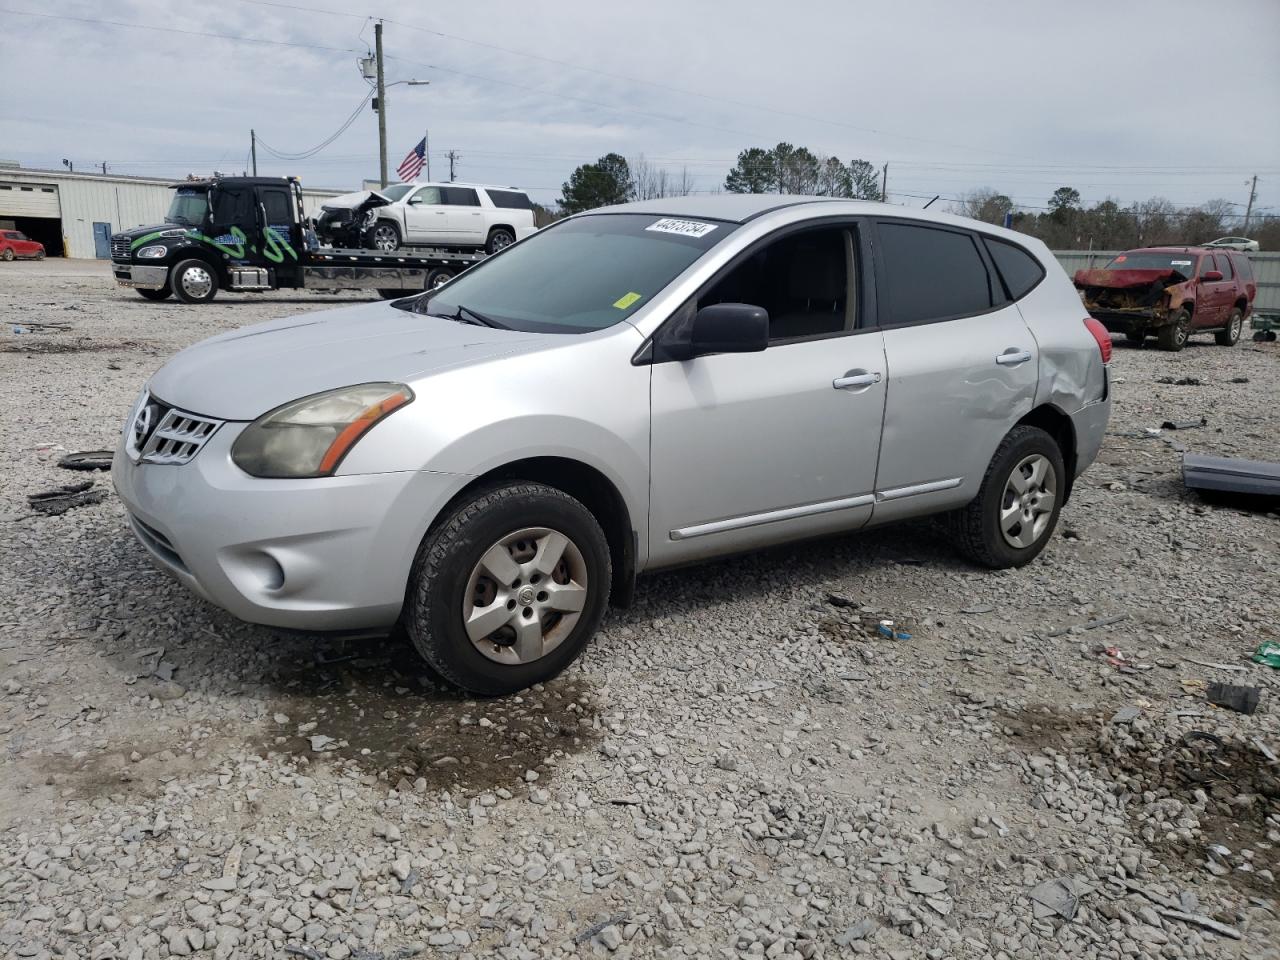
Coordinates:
(1211, 275)
(729, 328)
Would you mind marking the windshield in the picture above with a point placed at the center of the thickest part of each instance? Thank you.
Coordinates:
(1183, 263)
(396, 191)
(583, 274)
(188, 207)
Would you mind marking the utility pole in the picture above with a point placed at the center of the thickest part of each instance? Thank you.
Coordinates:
(884, 183)
(426, 151)
(1248, 210)
(253, 150)
(452, 157)
(382, 106)
(104, 168)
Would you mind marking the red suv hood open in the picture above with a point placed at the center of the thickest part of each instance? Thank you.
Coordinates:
(1122, 279)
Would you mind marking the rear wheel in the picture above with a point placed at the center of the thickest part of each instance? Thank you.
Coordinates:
(385, 236)
(1013, 516)
(387, 294)
(8, 253)
(1231, 335)
(438, 277)
(162, 294)
(506, 592)
(1173, 335)
(499, 239)
(194, 281)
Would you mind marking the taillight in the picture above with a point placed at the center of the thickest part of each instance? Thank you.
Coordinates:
(1103, 337)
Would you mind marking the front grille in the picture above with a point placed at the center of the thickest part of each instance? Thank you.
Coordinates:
(120, 248)
(158, 433)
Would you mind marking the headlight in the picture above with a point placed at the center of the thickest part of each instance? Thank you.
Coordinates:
(157, 251)
(309, 437)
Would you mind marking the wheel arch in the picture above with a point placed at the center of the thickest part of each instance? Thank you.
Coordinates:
(501, 226)
(589, 486)
(179, 255)
(1058, 425)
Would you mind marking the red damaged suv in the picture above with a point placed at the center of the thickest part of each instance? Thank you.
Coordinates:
(1171, 293)
(14, 243)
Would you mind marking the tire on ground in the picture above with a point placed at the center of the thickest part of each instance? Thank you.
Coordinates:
(162, 294)
(1229, 336)
(186, 289)
(1173, 335)
(976, 528)
(449, 553)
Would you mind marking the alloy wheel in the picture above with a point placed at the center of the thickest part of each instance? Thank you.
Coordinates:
(384, 238)
(1027, 504)
(525, 595)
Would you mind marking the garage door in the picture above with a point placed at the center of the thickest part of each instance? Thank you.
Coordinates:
(29, 199)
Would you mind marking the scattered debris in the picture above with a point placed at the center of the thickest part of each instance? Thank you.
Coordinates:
(1239, 380)
(321, 743)
(1268, 653)
(1058, 896)
(1264, 750)
(64, 498)
(87, 460)
(1200, 920)
(302, 952)
(1185, 424)
(1214, 666)
(1125, 714)
(887, 628)
(1240, 699)
(1090, 625)
(980, 608)
(1231, 474)
(591, 931)
(1182, 381)
(838, 601)
(821, 842)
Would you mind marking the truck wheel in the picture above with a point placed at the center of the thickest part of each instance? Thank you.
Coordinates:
(194, 281)
(1231, 335)
(508, 589)
(499, 239)
(389, 294)
(161, 294)
(1173, 335)
(438, 277)
(386, 236)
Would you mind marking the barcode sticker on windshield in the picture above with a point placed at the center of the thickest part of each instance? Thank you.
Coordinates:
(686, 228)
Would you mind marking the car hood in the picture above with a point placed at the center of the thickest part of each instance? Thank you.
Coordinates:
(135, 233)
(352, 201)
(242, 374)
(1124, 279)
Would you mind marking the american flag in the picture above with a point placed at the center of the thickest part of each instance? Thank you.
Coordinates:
(412, 164)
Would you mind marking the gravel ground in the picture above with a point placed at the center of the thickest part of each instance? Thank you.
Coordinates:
(740, 766)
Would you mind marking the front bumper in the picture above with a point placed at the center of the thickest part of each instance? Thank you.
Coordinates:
(139, 275)
(1130, 321)
(323, 554)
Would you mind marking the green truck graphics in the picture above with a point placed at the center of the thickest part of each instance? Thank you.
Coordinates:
(275, 249)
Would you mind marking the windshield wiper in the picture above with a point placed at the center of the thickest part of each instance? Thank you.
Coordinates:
(479, 319)
(460, 314)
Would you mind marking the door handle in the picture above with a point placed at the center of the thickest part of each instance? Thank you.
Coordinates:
(855, 380)
(1013, 356)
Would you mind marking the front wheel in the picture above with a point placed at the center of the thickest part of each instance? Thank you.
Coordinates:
(438, 277)
(39, 254)
(508, 589)
(194, 281)
(386, 236)
(1013, 516)
(162, 294)
(1231, 335)
(1173, 335)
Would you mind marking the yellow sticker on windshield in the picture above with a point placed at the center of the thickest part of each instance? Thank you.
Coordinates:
(625, 301)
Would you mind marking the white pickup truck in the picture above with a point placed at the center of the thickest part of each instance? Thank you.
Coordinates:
(447, 215)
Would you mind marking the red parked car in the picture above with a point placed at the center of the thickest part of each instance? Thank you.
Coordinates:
(1171, 293)
(14, 243)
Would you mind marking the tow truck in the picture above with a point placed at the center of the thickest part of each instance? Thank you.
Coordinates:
(250, 234)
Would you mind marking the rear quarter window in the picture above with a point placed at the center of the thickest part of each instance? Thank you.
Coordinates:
(931, 274)
(1243, 267)
(510, 199)
(1019, 270)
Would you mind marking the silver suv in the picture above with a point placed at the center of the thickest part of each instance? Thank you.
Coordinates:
(490, 464)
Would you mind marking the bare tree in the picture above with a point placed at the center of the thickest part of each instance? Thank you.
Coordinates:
(682, 185)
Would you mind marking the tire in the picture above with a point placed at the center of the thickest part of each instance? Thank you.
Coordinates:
(437, 277)
(385, 236)
(387, 294)
(1231, 335)
(1136, 338)
(194, 281)
(451, 580)
(978, 529)
(8, 254)
(39, 254)
(499, 239)
(162, 294)
(1173, 335)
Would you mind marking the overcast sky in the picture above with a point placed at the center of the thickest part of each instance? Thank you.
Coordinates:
(1176, 99)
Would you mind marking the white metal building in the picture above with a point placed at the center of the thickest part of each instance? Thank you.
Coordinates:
(74, 214)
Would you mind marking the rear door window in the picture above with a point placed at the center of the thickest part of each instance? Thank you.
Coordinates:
(460, 196)
(1244, 267)
(930, 274)
(1224, 265)
(1019, 270)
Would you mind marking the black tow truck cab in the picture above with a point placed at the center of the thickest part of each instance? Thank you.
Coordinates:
(251, 234)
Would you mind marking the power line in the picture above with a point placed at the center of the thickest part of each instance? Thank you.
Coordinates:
(308, 154)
